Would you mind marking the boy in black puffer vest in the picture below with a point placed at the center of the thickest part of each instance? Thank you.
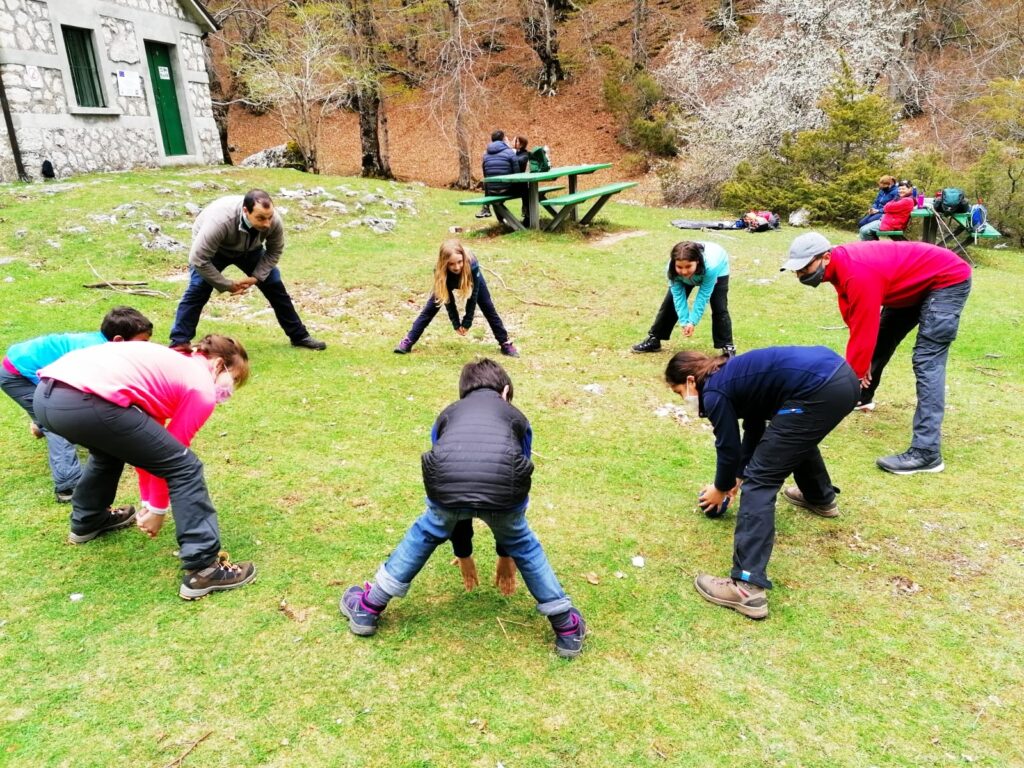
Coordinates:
(478, 466)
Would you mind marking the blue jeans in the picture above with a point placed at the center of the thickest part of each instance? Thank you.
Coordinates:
(511, 531)
(870, 230)
(198, 293)
(64, 464)
(938, 320)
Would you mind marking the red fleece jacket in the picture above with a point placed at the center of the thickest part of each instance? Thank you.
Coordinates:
(896, 214)
(871, 275)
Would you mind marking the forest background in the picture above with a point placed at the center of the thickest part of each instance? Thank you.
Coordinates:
(736, 103)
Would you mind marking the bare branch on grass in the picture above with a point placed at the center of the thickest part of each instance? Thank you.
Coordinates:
(176, 762)
(117, 285)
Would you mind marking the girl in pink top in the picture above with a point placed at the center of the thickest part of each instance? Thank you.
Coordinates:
(142, 403)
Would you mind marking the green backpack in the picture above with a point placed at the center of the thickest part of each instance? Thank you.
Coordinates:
(539, 161)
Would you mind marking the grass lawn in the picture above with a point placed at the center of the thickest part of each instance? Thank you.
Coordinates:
(895, 630)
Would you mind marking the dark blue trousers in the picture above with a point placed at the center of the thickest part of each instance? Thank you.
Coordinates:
(198, 293)
(484, 303)
(789, 445)
(721, 322)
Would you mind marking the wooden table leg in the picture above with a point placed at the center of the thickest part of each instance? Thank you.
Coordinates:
(533, 206)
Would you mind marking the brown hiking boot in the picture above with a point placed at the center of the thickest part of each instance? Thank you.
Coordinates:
(219, 576)
(121, 517)
(795, 497)
(749, 599)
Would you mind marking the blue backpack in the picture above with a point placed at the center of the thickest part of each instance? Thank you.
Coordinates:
(978, 218)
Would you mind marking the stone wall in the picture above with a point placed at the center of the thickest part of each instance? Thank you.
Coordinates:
(163, 7)
(100, 147)
(191, 49)
(120, 41)
(25, 26)
(37, 90)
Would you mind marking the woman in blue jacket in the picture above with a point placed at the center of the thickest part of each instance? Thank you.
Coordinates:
(704, 266)
(789, 399)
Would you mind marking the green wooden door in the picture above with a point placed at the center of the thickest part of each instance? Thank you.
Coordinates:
(162, 77)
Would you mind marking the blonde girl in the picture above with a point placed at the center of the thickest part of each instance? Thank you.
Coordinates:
(457, 275)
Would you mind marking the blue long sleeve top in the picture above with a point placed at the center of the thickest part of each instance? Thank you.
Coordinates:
(716, 265)
(452, 281)
(29, 356)
(753, 387)
(886, 196)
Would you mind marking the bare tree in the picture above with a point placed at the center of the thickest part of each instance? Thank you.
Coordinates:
(372, 117)
(299, 67)
(639, 34)
(539, 27)
(741, 97)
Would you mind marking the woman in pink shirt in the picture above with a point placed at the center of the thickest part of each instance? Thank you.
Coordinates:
(142, 404)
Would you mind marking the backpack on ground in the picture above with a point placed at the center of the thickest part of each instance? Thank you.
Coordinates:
(951, 200)
(978, 218)
(539, 160)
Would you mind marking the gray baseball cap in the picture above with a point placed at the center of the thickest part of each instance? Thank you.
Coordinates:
(805, 249)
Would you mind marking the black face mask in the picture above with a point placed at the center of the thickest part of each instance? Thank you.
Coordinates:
(814, 278)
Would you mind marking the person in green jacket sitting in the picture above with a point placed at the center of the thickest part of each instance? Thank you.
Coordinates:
(704, 266)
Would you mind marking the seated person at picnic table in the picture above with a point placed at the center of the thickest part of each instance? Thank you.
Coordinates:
(500, 159)
(895, 214)
(887, 192)
(522, 153)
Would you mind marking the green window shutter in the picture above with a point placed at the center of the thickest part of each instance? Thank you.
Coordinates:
(82, 60)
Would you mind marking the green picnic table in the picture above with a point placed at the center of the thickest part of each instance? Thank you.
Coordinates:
(561, 207)
(949, 230)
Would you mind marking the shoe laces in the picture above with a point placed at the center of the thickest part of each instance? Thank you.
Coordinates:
(224, 563)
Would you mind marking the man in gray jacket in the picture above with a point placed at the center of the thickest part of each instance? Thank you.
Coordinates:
(248, 233)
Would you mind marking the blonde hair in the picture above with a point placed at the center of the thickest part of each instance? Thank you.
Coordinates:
(448, 249)
(236, 359)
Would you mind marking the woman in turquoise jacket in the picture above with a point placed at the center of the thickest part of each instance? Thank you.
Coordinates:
(704, 266)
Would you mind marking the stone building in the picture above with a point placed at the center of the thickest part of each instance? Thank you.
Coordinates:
(101, 85)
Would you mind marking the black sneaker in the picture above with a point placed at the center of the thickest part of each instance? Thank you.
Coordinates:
(509, 349)
(362, 617)
(729, 350)
(219, 576)
(121, 517)
(569, 642)
(914, 460)
(64, 497)
(650, 344)
(310, 343)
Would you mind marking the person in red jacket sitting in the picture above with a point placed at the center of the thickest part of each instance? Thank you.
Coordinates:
(895, 213)
(885, 289)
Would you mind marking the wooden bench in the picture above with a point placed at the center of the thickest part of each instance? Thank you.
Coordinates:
(566, 204)
(892, 234)
(498, 201)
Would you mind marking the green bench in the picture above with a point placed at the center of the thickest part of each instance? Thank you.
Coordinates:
(498, 201)
(892, 234)
(989, 231)
(564, 205)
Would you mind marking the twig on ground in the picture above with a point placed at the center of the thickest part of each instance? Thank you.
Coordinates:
(528, 301)
(176, 762)
(994, 373)
(831, 327)
(501, 623)
(116, 285)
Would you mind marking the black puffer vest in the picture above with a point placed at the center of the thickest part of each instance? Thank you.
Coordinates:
(477, 460)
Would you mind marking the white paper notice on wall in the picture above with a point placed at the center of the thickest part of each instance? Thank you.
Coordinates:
(164, 72)
(129, 83)
(33, 77)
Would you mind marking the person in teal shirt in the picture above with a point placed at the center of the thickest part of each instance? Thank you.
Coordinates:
(18, 379)
(704, 266)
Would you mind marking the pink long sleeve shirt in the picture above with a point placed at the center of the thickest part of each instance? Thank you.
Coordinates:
(176, 390)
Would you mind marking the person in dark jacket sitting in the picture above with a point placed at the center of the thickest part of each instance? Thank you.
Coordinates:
(789, 399)
(500, 159)
(478, 466)
(887, 192)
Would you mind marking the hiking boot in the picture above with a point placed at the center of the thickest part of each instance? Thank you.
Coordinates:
(121, 517)
(219, 576)
(362, 617)
(404, 347)
(863, 407)
(796, 497)
(35, 430)
(912, 461)
(310, 343)
(64, 497)
(509, 349)
(569, 641)
(483, 213)
(650, 344)
(729, 350)
(749, 599)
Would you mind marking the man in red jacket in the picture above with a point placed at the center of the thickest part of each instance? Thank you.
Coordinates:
(885, 289)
